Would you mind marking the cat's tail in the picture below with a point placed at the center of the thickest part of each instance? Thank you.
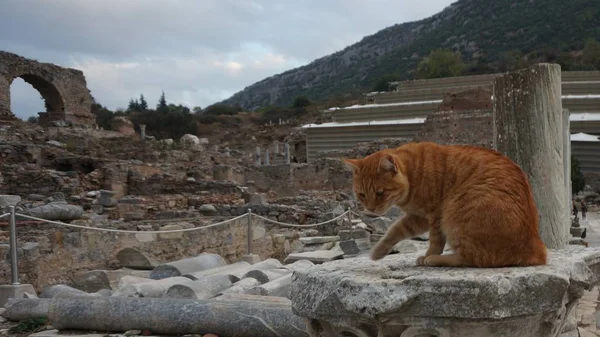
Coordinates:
(538, 255)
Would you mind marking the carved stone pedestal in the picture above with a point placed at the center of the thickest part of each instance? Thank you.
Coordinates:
(395, 298)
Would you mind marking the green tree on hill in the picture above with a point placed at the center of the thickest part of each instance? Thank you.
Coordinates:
(383, 83)
(301, 102)
(441, 63)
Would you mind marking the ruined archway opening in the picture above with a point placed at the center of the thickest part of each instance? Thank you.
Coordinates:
(25, 100)
(24, 88)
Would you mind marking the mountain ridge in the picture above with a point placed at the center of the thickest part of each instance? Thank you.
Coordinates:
(480, 30)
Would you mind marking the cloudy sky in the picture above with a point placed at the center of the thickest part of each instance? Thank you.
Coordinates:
(197, 51)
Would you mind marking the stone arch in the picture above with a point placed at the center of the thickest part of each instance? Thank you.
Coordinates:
(53, 100)
(64, 90)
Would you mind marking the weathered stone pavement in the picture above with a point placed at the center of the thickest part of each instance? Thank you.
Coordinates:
(588, 309)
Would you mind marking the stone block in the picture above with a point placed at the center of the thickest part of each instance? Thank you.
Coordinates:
(14, 291)
(577, 231)
(316, 257)
(349, 247)
(171, 236)
(423, 301)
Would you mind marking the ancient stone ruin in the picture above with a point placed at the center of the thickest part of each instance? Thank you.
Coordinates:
(246, 232)
(64, 90)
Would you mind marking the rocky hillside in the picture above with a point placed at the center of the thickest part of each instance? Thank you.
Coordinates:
(481, 30)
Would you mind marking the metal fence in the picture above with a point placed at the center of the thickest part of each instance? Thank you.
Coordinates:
(12, 222)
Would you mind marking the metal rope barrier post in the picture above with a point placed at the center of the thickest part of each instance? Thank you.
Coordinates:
(14, 268)
(250, 234)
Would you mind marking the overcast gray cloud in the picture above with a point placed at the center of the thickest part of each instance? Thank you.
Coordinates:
(197, 51)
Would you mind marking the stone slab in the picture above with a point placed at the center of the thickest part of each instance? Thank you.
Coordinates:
(14, 291)
(318, 256)
(359, 287)
(313, 240)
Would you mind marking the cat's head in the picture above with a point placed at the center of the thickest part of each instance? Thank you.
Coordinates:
(378, 181)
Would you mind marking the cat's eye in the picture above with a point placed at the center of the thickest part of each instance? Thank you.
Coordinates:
(361, 195)
(379, 193)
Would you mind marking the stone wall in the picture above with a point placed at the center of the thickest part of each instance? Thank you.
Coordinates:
(458, 127)
(324, 174)
(64, 90)
(51, 255)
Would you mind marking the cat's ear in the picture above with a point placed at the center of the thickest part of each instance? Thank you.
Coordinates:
(351, 164)
(387, 164)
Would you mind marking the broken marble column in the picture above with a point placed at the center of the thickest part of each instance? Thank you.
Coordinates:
(242, 286)
(394, 297)
(218, 270)
(128, 279)
(7, 200)
(264, 276)
(201, 262)
(286, 152)
(95, 280)
(275, 147)
(18, 309)
(54, 211)
(143, 131)
(267, 159)
(257, 157)
(63, 290)
(165, 316)
(202, 289)
(280, 286)
(155, 288)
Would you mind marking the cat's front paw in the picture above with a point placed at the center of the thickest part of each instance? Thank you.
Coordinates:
(421, 260)
(378, 252)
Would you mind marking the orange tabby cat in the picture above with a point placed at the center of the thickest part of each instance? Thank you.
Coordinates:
(475, 199)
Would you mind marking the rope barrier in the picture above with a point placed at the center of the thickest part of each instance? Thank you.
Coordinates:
(301, 226)
(4, 215)
(132, 232)
(177, 230)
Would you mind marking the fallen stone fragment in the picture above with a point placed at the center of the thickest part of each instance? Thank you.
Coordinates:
(409, 246)
(201, 262)
(202, 289)
(313, 240)
(298, 265)
(133, 258)
(230, 316)
(208, 209)
(318, 256)
(380, 225)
